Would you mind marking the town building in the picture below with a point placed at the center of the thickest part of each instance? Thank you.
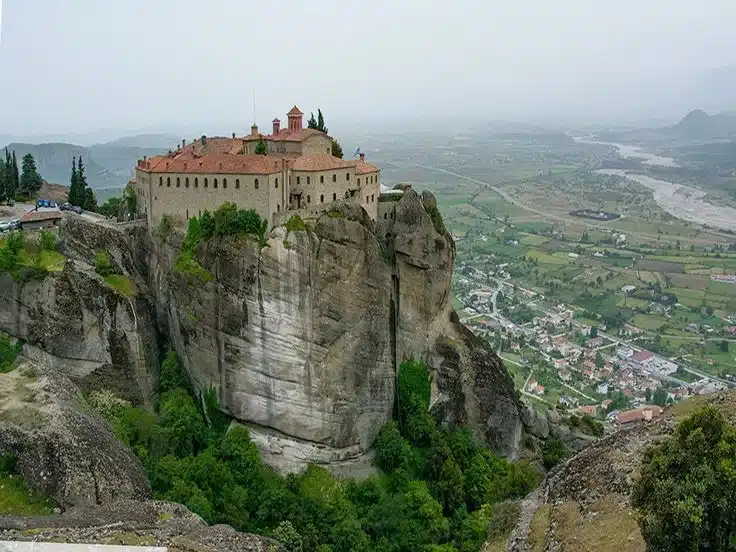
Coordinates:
(39, 219)
(297, 172)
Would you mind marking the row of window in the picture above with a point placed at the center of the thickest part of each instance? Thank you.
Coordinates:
(372, 180)
(368, 199)
(206, 182)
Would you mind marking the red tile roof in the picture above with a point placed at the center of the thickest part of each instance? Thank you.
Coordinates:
(641, 356)
(36, 216)
(286, 135)
(295, 111)
(363, 168)
(320, 162)
(217, 164)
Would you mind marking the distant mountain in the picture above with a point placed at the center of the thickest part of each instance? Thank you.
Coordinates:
(696, 127)
(106, 166)
(161, 142)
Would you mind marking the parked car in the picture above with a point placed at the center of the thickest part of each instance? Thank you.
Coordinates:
(4, 225)
(15, 224)
(65, 207)
(77, 209)
(45, 203)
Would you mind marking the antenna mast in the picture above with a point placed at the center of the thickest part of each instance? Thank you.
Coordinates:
(254, 106)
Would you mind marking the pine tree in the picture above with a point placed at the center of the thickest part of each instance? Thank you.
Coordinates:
(30, 180)
(321, 122)
(336, 149)
(10, 187)
(261, 147)
(16, 175)
(3, 197)
(74, 184)
(90, 201)
(311, 122)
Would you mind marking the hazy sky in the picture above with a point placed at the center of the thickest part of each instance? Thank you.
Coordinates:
(81, 65)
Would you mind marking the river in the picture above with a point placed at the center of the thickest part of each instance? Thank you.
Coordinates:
(681, 201)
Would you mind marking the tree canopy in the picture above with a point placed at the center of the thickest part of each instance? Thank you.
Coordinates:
(686, 492)
(80, 193)
(30, 180)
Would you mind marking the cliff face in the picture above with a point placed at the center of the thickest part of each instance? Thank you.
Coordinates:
(301, 339)
(74, 323)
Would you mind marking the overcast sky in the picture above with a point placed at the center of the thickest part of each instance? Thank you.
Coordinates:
(81, 65)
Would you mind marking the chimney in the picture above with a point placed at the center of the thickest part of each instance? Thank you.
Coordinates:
(362, 156)
(276, 126)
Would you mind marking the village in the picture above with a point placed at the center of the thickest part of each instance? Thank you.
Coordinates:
(559, 361)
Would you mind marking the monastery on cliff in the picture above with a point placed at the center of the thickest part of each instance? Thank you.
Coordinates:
(299, 172)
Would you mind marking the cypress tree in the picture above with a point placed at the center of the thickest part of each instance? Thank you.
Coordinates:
(3, 196)
(311, 122)
(321, 122)
(73, 184)
(16, 175)
(10, 187)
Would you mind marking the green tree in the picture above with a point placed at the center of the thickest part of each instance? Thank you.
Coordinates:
(311, 122)
(686, 490)
(30, 180)
(73, 196)
(261, 147)
(321, 122)
(131, 201)
(336, 149)
(288, 537)
(553, 452)
(599, 362)
(660, 396)
(15, 174)
(90, 201)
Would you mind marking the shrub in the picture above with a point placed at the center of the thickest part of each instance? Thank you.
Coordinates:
(8, 352)
(103, 263)
(165, 225)
(685, 493)
(47, 241)
(436, 216)
(554, 451)
(295, 224)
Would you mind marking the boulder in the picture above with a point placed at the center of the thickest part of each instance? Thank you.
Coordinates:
(63, 448)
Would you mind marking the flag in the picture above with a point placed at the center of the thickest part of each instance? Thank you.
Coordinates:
(357, 152)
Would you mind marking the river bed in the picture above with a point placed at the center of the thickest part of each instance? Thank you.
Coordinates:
(679, 200)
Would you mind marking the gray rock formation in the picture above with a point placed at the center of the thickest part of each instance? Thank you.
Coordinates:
(301, 339)
(73, 322)
(132, 523)
(63, 448)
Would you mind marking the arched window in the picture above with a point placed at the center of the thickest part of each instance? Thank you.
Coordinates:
(187, 214)
(347, 176)
(334, 197)
(297, 179)
(186, 182)
(322, 179)
(168, 182)
(334, 177)
(237, 183)
(196, 182)
(373, 198)
(347, 194)
(366, 199)
(224, 182)
(359, 182)
(160, 180)
(309, 199)
(256, 183)
(205, 182)
(178, 183)
(308, 179)
(385, 216)
(276, 185)
(321, 198)
(214, 183)
(278, 207)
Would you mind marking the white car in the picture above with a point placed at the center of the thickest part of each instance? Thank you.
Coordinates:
(4, 225)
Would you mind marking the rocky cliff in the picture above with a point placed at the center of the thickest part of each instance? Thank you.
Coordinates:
(300, 339)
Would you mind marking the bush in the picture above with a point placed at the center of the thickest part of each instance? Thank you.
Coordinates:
(8, 352)
(165, 225)
(47, 241)
(686, 490)
(295, 224)
(10, 251)
(103, 263)
(554, 451)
